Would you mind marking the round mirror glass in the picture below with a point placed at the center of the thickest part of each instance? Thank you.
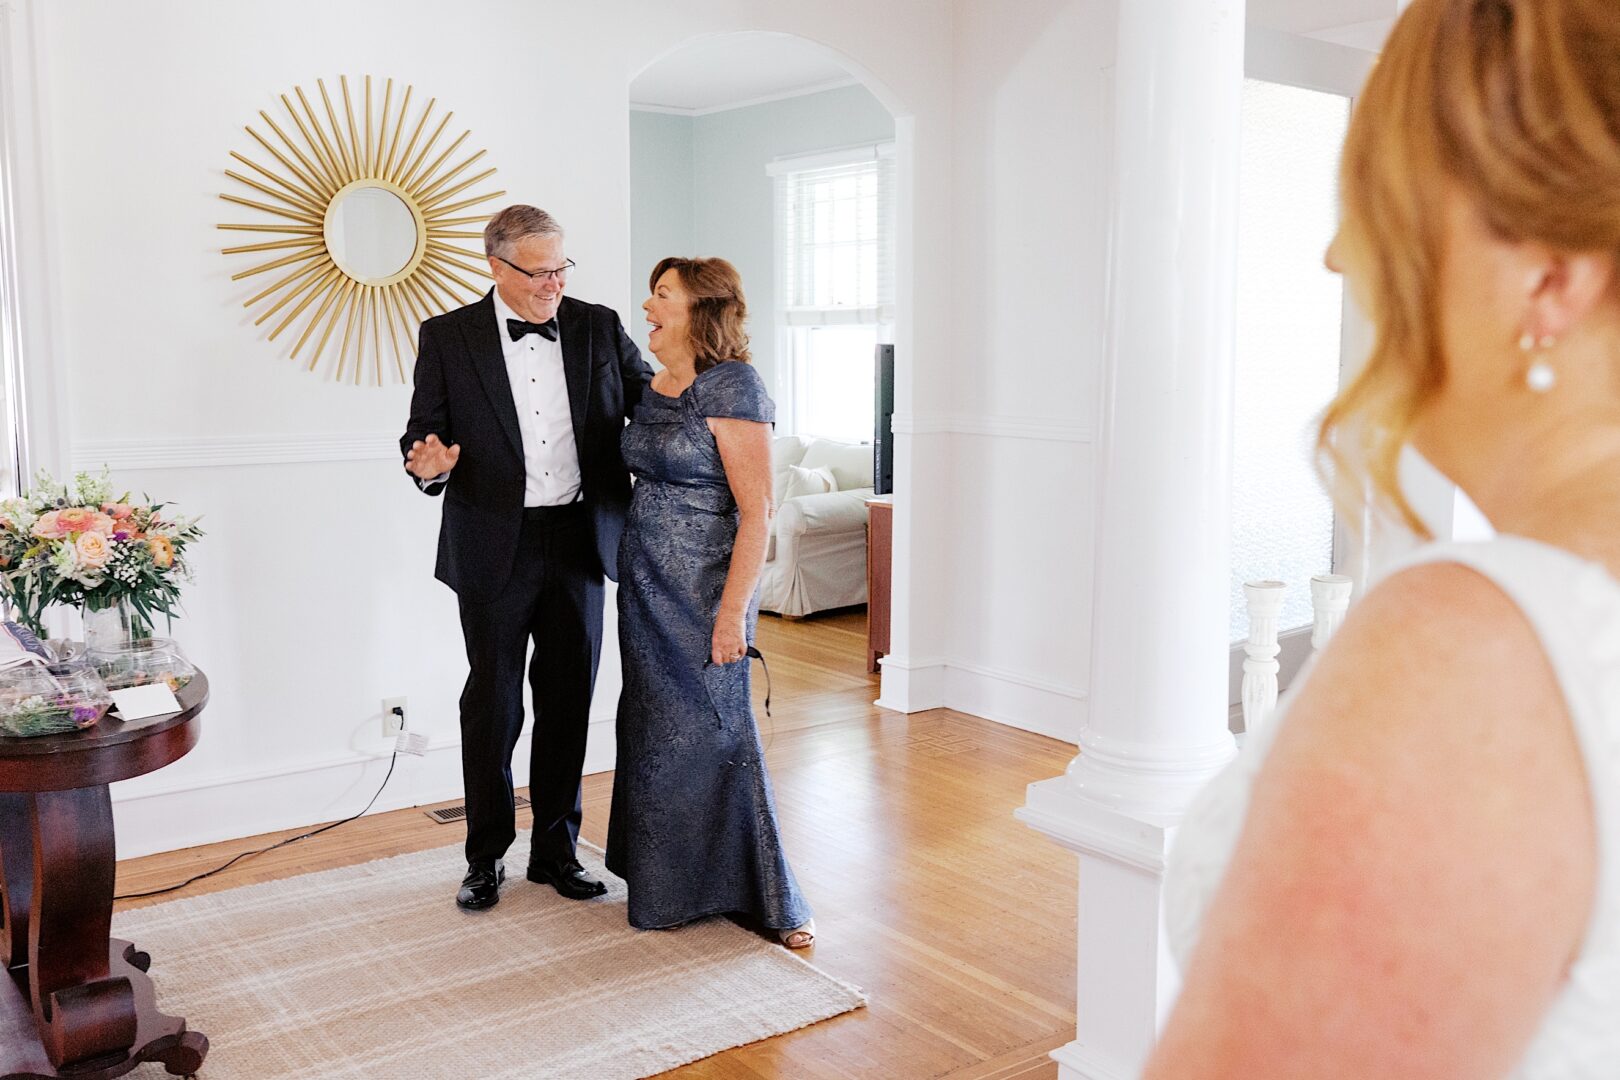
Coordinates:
(371, 234)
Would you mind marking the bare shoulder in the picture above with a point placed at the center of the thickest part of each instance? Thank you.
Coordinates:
(1418, 859)
(1435, 649)
(1436, 697)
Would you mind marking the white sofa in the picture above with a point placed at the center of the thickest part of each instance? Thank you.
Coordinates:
(817, 554)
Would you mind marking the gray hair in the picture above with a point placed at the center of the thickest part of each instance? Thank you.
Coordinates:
(514, 223)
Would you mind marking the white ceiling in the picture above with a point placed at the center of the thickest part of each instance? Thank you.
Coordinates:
(730, 70)
(736, 69)
(1313, 16)
(1368, 36)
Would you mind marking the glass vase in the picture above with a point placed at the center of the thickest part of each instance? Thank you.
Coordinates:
(113, 627)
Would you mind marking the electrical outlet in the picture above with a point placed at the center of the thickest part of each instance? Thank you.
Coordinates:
(392, 723)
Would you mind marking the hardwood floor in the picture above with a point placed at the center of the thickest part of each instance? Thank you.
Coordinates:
(957, 921)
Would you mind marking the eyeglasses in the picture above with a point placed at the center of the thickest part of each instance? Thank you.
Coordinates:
(540, 276)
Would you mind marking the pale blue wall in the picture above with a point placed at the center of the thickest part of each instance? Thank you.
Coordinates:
(661, 206)
(731, 213)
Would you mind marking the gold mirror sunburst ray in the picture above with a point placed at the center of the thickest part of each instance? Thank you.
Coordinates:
(338, 200)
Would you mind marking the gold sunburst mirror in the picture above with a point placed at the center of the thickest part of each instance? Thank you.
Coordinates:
(371, 229)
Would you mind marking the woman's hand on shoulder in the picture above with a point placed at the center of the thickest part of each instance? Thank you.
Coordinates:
(1418, 862)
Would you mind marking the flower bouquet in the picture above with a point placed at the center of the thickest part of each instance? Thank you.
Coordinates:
(82, 546)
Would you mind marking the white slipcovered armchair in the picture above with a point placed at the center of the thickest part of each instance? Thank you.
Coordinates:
(816, 558)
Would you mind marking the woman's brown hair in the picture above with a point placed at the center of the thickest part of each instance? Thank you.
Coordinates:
(1513, 105)
(718, 313)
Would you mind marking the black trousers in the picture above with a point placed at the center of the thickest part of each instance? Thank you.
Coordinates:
(554, 598)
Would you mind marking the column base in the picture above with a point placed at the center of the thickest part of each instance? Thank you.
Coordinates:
(910, 686)
(1075, 1064)
(1126, 978)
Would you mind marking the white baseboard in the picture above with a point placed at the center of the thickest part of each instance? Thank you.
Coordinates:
(1017, 700)
(916, 685)
(203, 810)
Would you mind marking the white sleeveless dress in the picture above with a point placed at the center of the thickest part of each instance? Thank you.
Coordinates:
(1573, 606)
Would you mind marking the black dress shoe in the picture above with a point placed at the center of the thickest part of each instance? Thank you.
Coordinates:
(567, 877)
(481, 888)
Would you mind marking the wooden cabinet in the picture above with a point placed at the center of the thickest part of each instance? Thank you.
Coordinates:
(879, 575)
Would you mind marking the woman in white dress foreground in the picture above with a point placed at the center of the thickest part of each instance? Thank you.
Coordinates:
(1416, 871)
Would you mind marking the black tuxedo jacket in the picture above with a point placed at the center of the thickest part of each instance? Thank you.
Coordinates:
(463, 395)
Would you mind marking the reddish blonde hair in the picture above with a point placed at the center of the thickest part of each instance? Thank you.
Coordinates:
(718, 314)
(1515, 106)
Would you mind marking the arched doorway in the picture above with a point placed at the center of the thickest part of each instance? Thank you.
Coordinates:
(782, 156)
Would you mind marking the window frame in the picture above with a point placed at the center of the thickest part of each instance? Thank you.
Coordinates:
(792, 323)
(1309, 64)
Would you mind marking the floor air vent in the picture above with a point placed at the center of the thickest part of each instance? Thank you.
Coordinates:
(458, 812)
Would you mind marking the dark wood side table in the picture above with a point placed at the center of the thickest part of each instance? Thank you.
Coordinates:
(78, 1001)
(879, 575)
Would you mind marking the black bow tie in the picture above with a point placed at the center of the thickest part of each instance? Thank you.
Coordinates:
(517, 328)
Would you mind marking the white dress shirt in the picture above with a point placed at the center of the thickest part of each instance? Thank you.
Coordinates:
(534, 366)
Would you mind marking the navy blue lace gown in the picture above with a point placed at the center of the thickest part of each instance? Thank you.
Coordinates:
(693, 828)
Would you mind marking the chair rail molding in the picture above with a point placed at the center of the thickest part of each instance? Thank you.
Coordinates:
(230, 451)
(1038, 428)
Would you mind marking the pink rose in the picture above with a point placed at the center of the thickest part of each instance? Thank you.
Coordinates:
(47, 527)
(92, 549)
(118, 511)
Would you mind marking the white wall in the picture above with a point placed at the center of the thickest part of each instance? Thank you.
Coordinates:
(1031, 177)
(315, 594)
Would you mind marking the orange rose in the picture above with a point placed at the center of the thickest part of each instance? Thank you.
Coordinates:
(162, 551)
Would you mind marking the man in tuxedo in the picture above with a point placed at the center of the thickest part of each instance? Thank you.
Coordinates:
(520, 400)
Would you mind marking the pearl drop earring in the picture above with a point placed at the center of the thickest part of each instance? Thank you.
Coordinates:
(1540, 376)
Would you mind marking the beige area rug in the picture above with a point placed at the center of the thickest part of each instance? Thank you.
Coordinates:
(371, 973)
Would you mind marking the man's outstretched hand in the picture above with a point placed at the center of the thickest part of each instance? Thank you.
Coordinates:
(429, 458)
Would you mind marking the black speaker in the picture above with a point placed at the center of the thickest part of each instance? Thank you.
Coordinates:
(883, 412)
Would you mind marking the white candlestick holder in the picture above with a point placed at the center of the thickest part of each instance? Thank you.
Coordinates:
(1265, 599)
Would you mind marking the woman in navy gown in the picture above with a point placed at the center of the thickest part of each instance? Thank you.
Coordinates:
(693, 828)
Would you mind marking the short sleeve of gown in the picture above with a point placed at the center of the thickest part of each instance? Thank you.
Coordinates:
(734, 391)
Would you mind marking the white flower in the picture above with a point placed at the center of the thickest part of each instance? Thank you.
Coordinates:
(94, 489)
(17, 512)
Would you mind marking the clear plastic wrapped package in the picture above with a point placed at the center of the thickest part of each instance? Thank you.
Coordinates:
(40, 699)
(145, 660)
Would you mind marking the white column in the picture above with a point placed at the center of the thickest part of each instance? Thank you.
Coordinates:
(1157, 703)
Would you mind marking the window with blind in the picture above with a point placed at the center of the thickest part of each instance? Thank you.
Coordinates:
(835, 288)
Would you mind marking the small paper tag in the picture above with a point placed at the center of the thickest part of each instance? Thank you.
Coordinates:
(411, 742)
(139, 702)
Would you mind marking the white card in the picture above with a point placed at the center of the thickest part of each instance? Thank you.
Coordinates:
(137, 702)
